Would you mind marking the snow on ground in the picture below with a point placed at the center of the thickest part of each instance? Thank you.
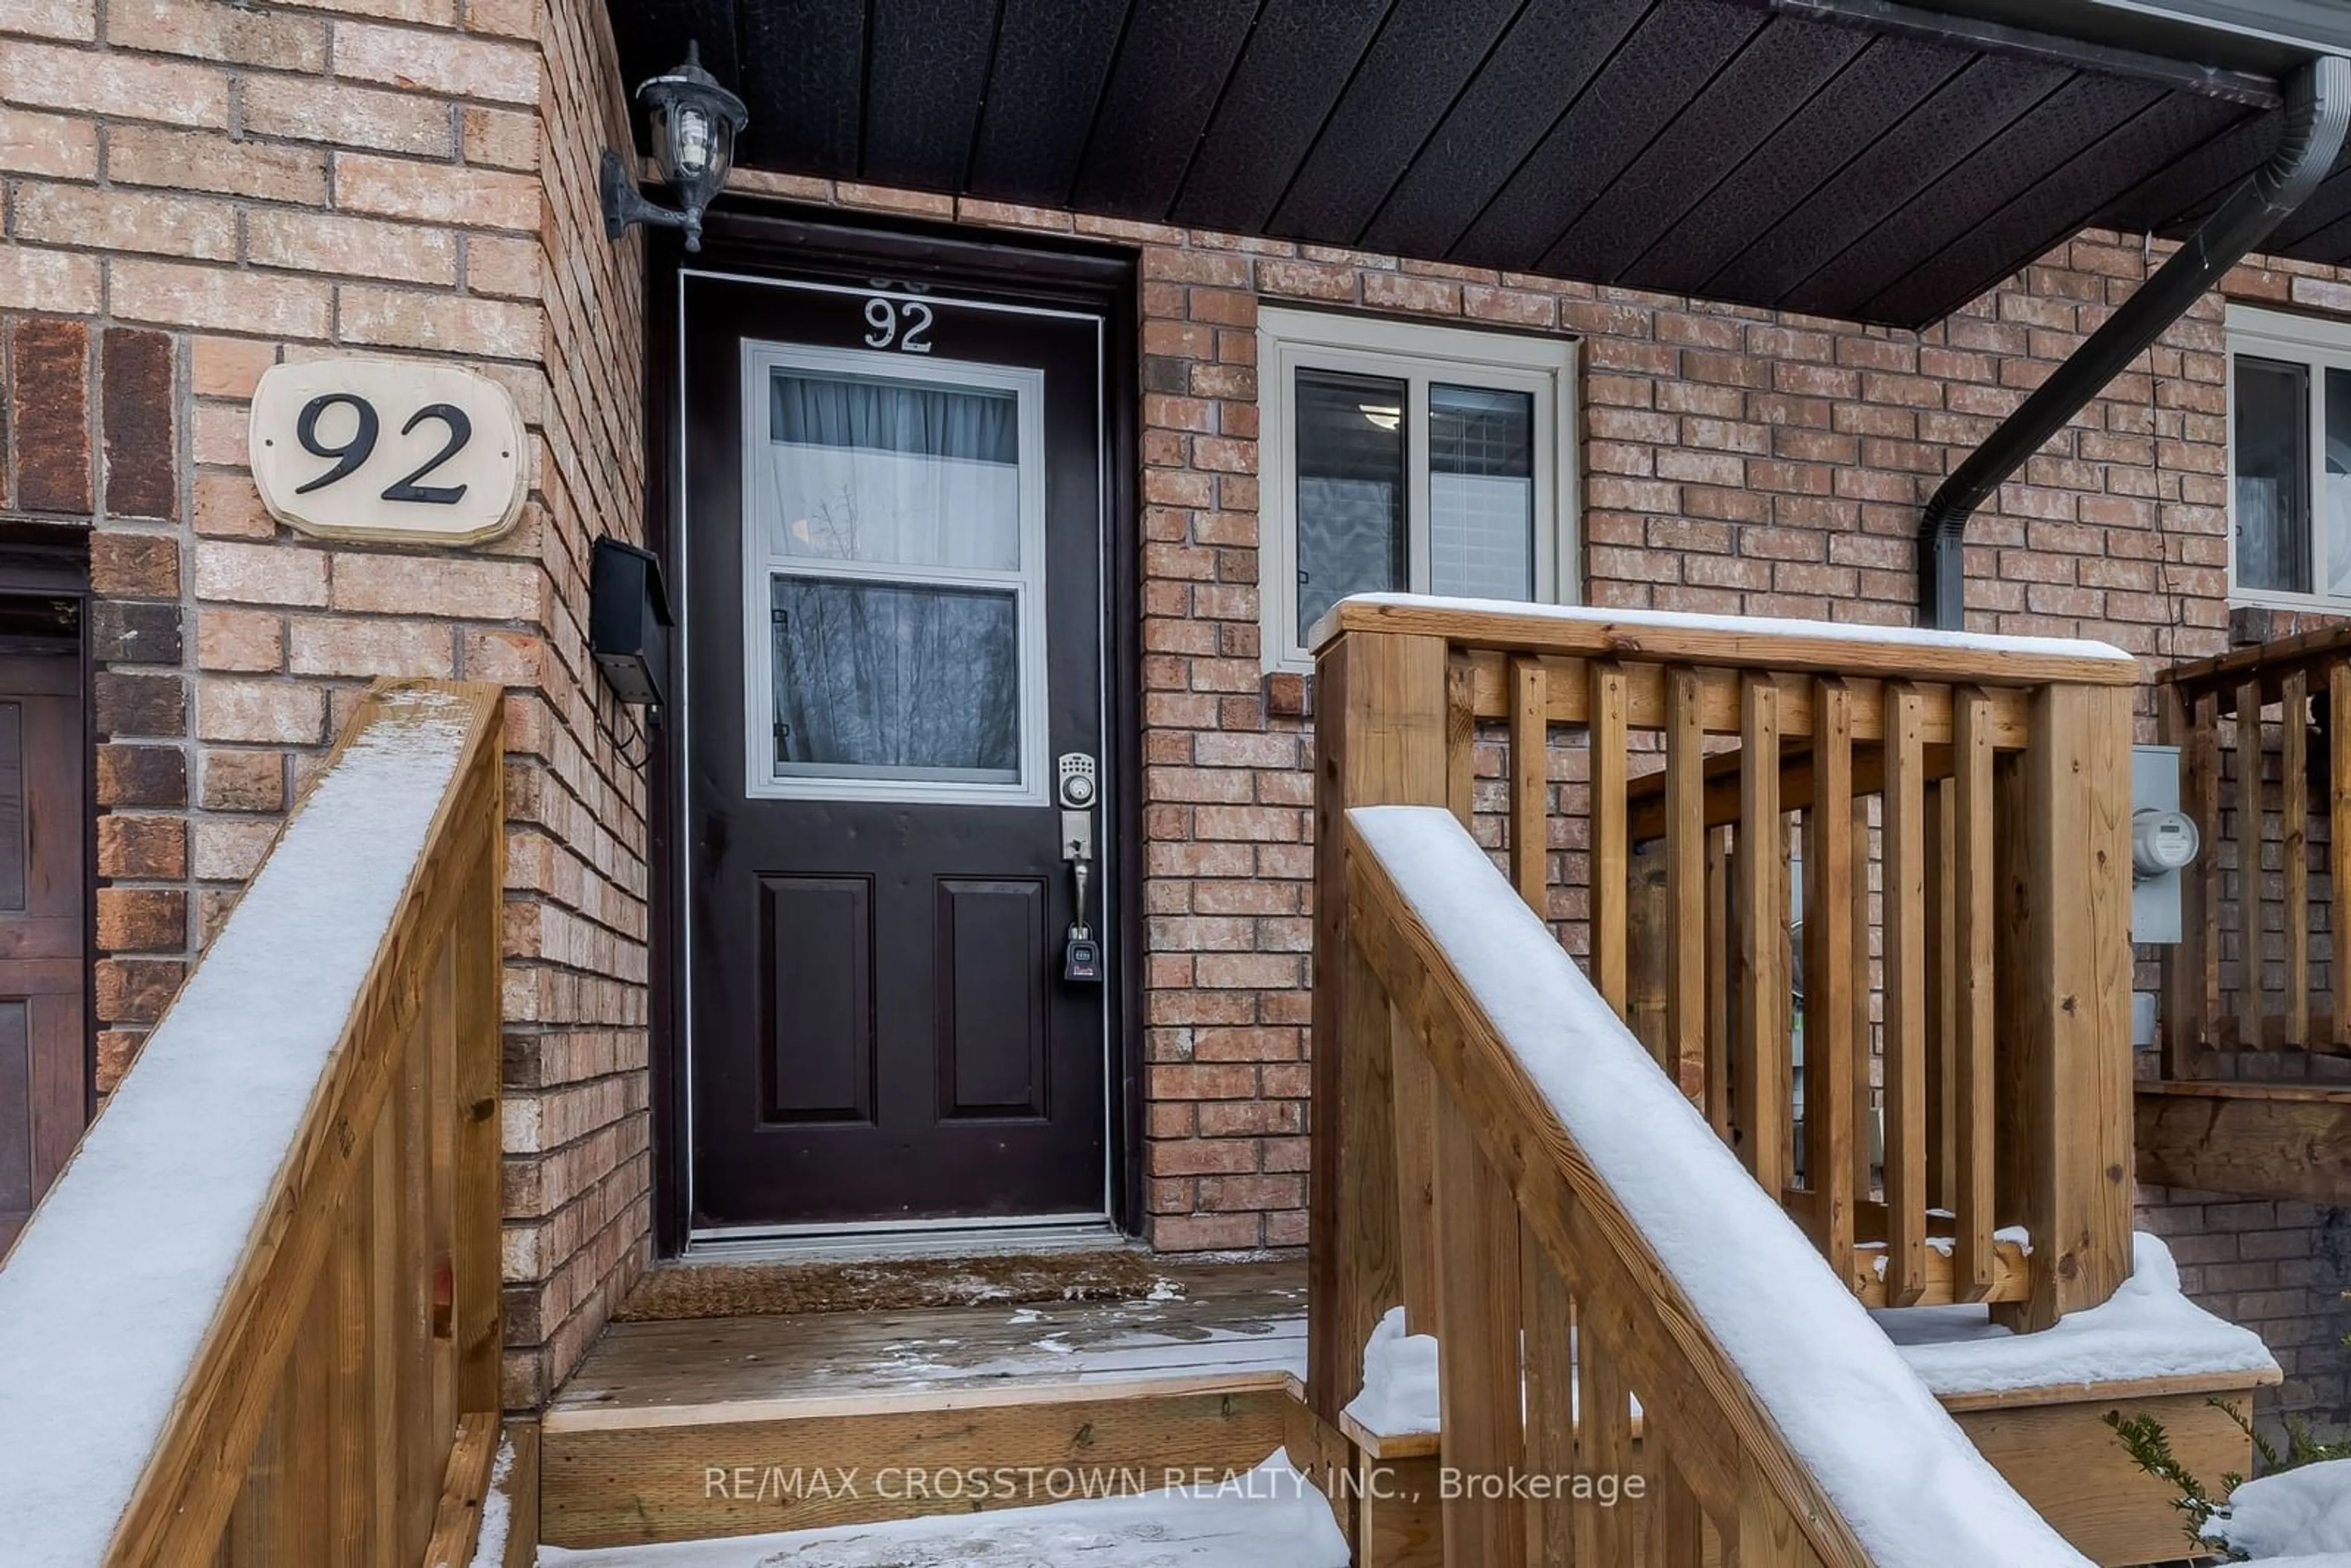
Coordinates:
(2146, 1328)
(1915, 1491)
(1399, 1391)
(1269, 1515)
(2294, 1513)
(1765, 629)
(111, 1287)
(497, 1510)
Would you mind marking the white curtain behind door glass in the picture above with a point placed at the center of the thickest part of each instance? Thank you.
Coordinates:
(871, 676)
(893, 473)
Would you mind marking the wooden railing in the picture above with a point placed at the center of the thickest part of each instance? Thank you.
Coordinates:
(1988, 782)
(2229, 715)
(2253, 995)
(1613, 1297)
(263, 1300)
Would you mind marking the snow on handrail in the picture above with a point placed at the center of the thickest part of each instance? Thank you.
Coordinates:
(1732, 640)
(119, 1291)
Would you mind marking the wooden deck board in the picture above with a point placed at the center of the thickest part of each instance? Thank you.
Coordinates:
(1215, 1324)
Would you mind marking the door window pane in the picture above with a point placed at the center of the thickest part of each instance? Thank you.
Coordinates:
(1351, 486)
(1481, 493)
(2272, 475)
(902, 680)
(900, 472)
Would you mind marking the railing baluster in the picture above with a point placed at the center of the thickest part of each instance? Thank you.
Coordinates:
(1677, 1527)
(1461, 737)
(2249, 824)
(1906, 1001)
(1686, 902)
(1972, 894)
(1936, 867)
(1603, 1446)
(1479, 1386)
(1862, 989)
(1610, 848)
(1415, 1087)
(1829, 1040)
(1720, 962)
(2293, 785)
(1530, 784)
(1762, 1067)
(1548, 1315)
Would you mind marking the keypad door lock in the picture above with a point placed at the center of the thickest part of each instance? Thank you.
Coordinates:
(1079, 792)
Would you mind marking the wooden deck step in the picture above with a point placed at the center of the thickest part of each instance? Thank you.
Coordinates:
(689, 1428)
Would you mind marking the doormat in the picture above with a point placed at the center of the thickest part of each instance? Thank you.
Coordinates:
(764, 1289)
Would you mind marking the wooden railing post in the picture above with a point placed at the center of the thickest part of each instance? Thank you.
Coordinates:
(1382, 714)
(2070, 1136)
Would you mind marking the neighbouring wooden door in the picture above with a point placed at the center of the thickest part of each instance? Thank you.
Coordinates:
(892, 546)
(44, 871)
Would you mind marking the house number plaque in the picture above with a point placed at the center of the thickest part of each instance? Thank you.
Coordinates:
(400, 450)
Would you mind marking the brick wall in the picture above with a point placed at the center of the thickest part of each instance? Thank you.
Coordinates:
(2281, 1269)
(194, 191)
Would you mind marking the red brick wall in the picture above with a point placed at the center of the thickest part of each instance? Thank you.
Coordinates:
(2280, 1269)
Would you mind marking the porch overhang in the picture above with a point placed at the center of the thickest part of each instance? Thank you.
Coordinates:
(1855, 159)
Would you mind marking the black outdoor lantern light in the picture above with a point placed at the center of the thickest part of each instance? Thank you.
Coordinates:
(695, 122)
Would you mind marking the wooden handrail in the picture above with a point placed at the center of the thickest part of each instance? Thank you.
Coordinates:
(292, 1201)
(1733, 642)
(2232, 698)
(1562, 1155)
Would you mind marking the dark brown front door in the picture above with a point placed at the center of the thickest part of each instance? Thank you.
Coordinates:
(44, 1089)
(892, 551)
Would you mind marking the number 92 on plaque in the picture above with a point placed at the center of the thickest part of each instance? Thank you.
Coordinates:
(400, 450)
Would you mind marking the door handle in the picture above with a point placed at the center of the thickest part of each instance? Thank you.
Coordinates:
(1081, 953)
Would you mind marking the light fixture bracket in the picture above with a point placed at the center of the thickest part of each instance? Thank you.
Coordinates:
(694, 123)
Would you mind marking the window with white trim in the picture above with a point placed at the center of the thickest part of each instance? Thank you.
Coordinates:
(2289, 460)
(1397, 456)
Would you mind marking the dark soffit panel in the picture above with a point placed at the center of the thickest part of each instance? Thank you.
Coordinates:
(1847, 158)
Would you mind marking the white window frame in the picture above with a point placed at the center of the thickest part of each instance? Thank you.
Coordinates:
(761, 781)
(2320, 345)
(1416, 353)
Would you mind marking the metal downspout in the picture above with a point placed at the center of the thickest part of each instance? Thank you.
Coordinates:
(2317, 113)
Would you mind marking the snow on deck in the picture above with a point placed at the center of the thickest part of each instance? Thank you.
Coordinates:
(113, 1284)
(1399, 1396)
(1271, 1515)
(2302, 1514)
(2146, 1328)
(1917, 1493)
(1764, 627)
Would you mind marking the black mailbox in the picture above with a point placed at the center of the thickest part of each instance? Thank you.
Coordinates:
(629, 622)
